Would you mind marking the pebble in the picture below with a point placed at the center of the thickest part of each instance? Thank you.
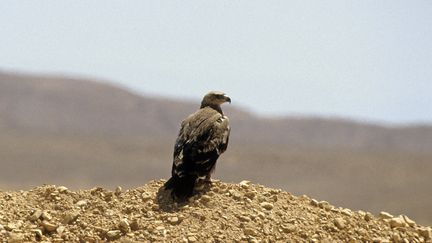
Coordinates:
(288, 228)
(385, 215)
(398, 222)
(48, 226)
(81, 203)
(16, 238)
(173, 220)
(205, 199)
(35, 215)
(250, 194)
(368, 216)
(249, 231)
(266, 205)
(314, 202)
(62, 189)
(192, 239)
(113, 234)
(118, 191)
(409, 221)
(236, 195)
(124, 226)
(340, 223)
(426, 232)
(69, 218)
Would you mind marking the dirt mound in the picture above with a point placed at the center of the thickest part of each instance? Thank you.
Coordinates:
(221, 212)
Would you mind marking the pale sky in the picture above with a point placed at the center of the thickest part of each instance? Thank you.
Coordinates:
(365, 59)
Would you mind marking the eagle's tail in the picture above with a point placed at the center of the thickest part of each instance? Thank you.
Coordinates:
(182, 187)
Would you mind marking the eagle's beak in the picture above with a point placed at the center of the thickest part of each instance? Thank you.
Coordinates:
(227, 99)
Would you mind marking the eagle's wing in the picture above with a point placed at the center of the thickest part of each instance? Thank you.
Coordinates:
(202, 138)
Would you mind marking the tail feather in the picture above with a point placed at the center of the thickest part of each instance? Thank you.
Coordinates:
(182, 187)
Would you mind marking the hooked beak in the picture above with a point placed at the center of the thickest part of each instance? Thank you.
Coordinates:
(227, 99)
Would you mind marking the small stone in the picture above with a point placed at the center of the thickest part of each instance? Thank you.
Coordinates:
(192, 239)
(145, 196)
(339, 222)
(69, 218)
(62, 189)
(288, 228)
(267, 205)
(35, 215)
(11, 226)
(113, 234)
(205, 199)
(385, 215)
(244, 218)
(50, 227)
(124, 226)
(368, 216)
(38, 233)
(160, 228)
(397, 222)
(81, 203)
(16, 238)
(173, 220)
(60, 230)
(46, 216)
(409, 221)
(134, 225)
(314, 202)
(118, 191)
(249, 231)
(245, 184)
(235, 194)
(426, 232)
(250, 194)
(346, 212)
(324, 205)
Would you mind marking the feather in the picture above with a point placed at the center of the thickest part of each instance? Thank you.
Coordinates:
(202, 138)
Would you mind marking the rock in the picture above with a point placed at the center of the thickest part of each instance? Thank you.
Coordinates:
(35, 215)
(368, 216)
(62, 189)
(288, 228)
(425, 232)
(245, 184)
(124, 226)
(81, 203)
(385, 215)
(409, 221)
(16, 238)
(69, 218)
(192, 239)
(398, 222)
(249, 231)
(236, 195)
(250, 194)
(340, 223)
(145, 197)
(60, 230)
(38, 233)
(134, 225)
(205, 199)
(48, 226)
(46, 216)
(113, 235)
(347, 212)
(314, 202)
(244, 218)
(173, 220)
(266, 205)
(118, 191)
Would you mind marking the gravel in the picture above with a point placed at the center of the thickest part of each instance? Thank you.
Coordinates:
(222, 212)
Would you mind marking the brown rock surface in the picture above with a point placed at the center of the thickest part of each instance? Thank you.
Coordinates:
(219, 213)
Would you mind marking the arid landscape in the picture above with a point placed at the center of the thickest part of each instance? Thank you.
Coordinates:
(82, 133)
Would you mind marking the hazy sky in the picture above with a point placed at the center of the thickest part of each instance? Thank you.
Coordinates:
(361, 59)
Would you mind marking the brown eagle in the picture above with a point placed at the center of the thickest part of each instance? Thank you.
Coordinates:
(203, 137)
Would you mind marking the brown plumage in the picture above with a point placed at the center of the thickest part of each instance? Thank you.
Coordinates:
(203, 137)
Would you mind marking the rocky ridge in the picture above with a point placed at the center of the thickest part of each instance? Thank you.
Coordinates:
(222, 212)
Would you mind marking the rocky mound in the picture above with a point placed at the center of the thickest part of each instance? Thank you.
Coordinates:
(222, 212)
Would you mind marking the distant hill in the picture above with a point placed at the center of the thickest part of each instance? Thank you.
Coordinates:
(82, 133)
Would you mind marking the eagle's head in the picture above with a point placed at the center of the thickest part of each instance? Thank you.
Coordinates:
(215, 98)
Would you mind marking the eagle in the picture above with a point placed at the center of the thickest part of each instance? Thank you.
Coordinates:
(203, 137)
